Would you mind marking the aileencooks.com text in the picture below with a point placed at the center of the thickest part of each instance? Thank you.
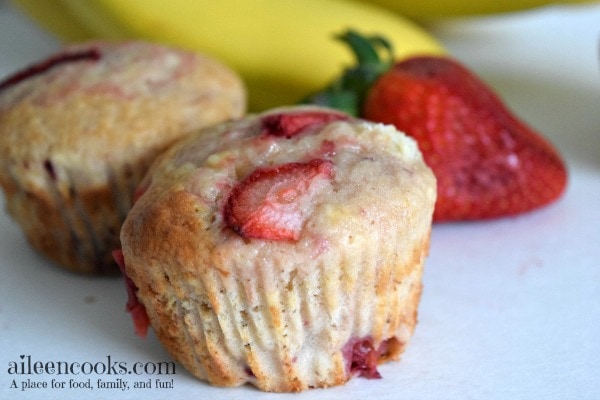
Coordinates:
(26, 365)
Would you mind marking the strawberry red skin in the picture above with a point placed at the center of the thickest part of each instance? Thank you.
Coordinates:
(136, 309)
(488, 163)
(267, 203)
(43, 66)
(288, 125)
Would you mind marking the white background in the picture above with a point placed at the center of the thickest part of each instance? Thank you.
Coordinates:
(511, 308)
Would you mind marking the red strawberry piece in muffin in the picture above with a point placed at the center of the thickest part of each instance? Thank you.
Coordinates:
(272, 203)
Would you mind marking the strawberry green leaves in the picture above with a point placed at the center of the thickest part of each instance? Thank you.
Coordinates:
(374, 56)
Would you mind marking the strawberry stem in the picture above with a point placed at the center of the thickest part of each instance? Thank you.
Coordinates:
(374, 56)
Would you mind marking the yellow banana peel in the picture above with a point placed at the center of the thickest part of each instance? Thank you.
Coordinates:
(283, 49)
(52, 16)
(430, 9)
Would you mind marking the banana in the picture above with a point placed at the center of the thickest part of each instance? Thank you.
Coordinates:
(52, 16)
(428, 9)
(283, 49)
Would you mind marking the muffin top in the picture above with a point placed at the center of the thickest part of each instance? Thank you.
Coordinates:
(294, 181)
(104, 102)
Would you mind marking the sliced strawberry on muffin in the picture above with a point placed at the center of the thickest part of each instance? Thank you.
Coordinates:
(273, 203)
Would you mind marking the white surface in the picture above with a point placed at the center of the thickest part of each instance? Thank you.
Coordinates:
(511, 308)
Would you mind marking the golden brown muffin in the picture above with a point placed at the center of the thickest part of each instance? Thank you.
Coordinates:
(79, 129)
(283, 249)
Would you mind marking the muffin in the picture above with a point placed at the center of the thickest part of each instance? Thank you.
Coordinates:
(283, 249)
(79, 130)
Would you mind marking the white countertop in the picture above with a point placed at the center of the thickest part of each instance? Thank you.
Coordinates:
(510, 309)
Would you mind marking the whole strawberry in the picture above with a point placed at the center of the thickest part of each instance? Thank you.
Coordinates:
(488, 163)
